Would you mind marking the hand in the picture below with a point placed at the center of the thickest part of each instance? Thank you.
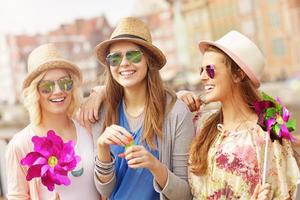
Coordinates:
(262, 192)
(114, 135)
(190, 99)
(88, 112)
(55, 196)
(137, 156)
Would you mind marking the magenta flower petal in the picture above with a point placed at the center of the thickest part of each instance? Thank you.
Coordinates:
(261, 106)
(284, 132)
(51, 160)
(270, 122)
(30, 158)
(285, 114)
(33, 171)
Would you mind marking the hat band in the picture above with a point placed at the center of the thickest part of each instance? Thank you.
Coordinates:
(128, 36)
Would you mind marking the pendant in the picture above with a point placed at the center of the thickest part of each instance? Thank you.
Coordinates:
(77, 173)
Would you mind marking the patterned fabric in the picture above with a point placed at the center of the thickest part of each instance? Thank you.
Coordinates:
(235, 166)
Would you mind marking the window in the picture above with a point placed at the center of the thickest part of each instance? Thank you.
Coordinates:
(278, 47)
(274, 19)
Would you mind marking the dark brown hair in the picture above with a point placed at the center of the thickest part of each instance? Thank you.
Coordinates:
(204, 140)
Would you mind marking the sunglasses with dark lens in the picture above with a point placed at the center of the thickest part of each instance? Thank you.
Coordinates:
(115, 58)
(210, 71)
(64, 84)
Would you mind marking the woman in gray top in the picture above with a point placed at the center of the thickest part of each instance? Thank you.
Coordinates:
(139, 110)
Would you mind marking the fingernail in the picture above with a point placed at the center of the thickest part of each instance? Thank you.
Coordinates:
(122, 155)
(129, 138)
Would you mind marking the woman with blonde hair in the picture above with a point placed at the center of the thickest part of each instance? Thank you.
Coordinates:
(51, 95)
(227, 155)
(144, 131)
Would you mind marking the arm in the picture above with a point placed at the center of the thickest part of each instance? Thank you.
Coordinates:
(17, 186)
(88, 113)
(177, 172)
(105, 178)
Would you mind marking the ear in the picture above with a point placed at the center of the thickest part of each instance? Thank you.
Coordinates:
(238, 76)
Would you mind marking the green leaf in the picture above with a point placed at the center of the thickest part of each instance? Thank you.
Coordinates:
(268, 98)
(291, 125)
(270, 112)
(276, 128)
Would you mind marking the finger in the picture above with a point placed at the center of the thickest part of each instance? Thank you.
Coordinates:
(197, 101)
(135, 161)
(132, 155)
(123, 131)
(91, 116)
(81, 117)
(134, 148)
(192, 103)
(118, 137)
(96, 111)
(256, 190)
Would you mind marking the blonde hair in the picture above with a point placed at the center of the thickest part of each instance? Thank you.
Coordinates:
(204, 140)
(31, 97)
(156, 106)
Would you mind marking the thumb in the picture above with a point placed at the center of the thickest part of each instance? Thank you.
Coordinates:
(55, 196)
(255, 193)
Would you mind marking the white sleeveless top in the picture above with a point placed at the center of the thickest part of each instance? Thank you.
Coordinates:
(82, 186)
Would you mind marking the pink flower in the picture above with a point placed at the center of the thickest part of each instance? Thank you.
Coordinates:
(51, 160)
(274, 118)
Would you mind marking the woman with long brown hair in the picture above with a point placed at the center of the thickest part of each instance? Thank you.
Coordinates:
(227, 154)
(143, 132)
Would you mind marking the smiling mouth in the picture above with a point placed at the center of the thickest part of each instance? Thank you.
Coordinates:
(127, 73)
(57, 100)
(208, 87)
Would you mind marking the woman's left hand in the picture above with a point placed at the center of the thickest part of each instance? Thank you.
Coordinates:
(262, 192)
(138, 157)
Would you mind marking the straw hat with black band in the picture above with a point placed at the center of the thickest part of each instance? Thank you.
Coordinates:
(134, 30)
(46, 57)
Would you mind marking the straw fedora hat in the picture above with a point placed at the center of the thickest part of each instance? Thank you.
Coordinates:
(46, 57)
(134, 30)
(242, 51)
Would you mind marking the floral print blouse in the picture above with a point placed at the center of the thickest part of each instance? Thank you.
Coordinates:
(235, 166)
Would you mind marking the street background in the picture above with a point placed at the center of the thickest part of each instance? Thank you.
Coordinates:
(176, 25)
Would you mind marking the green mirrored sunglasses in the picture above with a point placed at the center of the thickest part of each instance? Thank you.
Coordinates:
(47, 86)
(115, 58)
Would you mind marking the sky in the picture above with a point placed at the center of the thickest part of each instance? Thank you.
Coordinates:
(40, 16)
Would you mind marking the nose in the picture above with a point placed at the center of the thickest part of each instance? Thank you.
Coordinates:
(124, 61)
(203, 75)
(56, 89)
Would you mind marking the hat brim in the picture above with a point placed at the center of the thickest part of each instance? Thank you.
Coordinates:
(53, 64)
(101, 50)
(204, 44)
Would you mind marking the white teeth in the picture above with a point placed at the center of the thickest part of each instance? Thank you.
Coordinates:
(208, 87)
(57, 100)
(126, 73)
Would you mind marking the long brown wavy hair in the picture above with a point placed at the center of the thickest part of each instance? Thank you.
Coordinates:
(205, 138)
(156, 106)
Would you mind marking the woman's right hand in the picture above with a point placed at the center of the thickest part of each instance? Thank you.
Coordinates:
(190, 99)
(114, 135)
(262, 192)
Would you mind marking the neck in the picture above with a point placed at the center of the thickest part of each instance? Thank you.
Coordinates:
(59, 123)
(235, 111)
(135, 99)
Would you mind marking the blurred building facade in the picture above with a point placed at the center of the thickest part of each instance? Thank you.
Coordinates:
(75, 40)
(177, 26)
(272, 24)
